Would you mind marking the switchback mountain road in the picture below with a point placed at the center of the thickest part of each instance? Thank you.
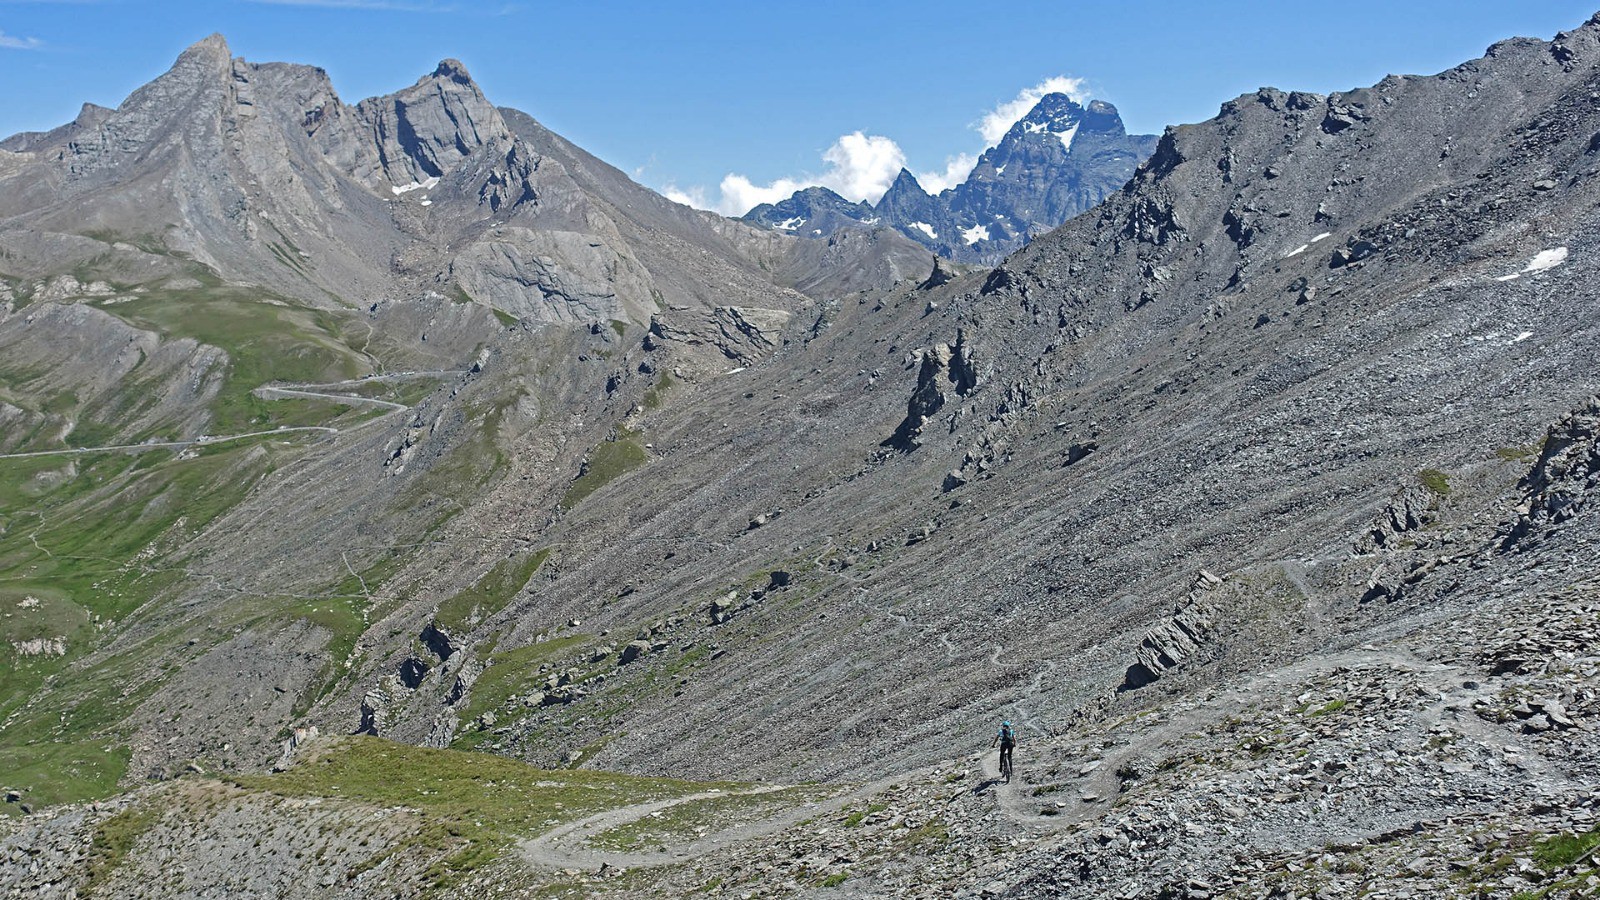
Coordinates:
(304, 391)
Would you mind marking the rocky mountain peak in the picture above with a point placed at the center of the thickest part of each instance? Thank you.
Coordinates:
(812, 210)
(1056, 161)
(1053, 114)
(211, 46)
(453, 70)
(1102, 117)
(206, 58)
(906, 182)
(424, 130)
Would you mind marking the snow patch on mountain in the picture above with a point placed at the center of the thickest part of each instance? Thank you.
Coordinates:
(415, 186)
(1067, 136)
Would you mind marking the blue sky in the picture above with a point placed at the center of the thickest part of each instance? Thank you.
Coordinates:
(683, 95)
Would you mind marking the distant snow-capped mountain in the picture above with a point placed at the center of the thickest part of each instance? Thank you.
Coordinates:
(1057, 161)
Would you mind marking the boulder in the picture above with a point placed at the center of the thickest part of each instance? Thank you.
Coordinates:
(634, 650)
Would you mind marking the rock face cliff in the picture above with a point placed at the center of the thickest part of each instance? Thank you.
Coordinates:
(1055, 162)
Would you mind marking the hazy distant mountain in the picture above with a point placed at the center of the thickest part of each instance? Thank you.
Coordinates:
(1055, 162)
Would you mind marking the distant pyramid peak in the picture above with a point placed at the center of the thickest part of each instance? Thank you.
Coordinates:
(906, 181)
(1063, 117)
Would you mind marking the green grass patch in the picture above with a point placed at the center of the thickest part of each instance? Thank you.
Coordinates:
(589, 751)
(267, 339)
(1329, 708)
(406, 392)
(1565, 849)
(513, 672)
(113, 837)
(834, 880)
(857, 817)
(49, 773)
(466, 469)
(473, 806)
(342, 618)
(656, 395)
(87, 540)
(1436, 481)
(610, 460)
(490, 594)
(1526, 453)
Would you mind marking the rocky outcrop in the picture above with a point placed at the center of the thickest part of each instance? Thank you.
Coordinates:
(554, 276)
(743, 334)
(940, 276)
(946, 370)
(1177, 639)
(375, 705)
(1566, 477)
(439, 642)
(1412, 509)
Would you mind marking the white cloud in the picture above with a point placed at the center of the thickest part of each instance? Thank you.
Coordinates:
(956, 170)
(694, 196)
(740, 194)
(15, 43)
(860, 167)
(996, 122)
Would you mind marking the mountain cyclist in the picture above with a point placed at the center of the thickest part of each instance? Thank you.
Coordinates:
(1006, 737)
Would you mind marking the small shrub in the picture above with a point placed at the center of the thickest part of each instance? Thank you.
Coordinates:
(1330, 708)
(1436, 481)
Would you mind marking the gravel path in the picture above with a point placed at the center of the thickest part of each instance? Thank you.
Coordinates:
(266, 392)
(563, 847)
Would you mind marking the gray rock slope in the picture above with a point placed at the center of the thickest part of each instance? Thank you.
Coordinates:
(1055, 162)
(1172, 382)
(986, 494)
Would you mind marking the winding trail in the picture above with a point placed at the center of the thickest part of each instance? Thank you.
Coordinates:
(1151, 735)
(172, 445)
(1082, 796)
(348, 399)
(562, 848)
(266, 392)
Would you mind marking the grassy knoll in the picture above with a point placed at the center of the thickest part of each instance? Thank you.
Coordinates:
(473, 807)
(610, 460)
